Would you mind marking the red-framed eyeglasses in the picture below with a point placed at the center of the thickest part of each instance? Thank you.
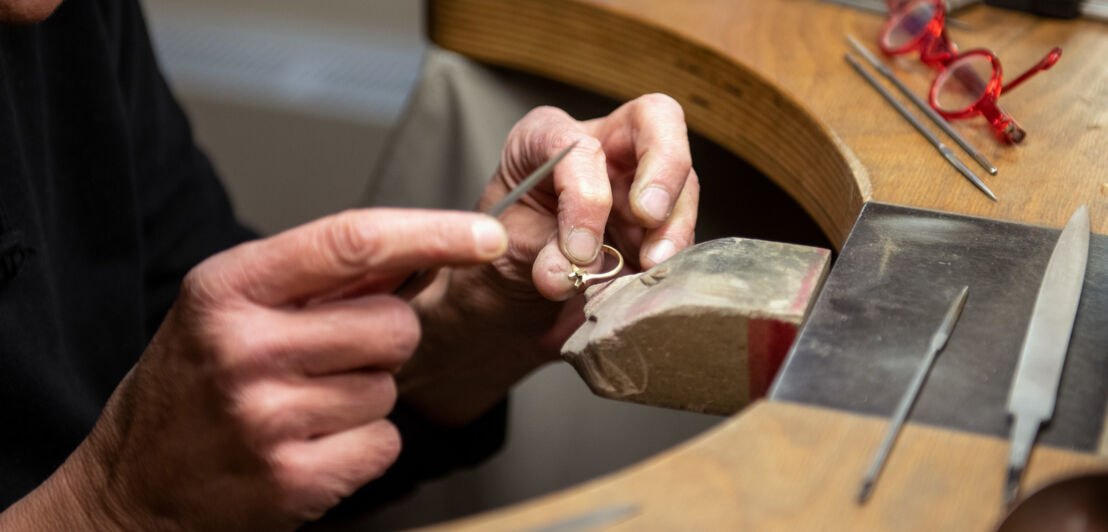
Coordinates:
(967, 84)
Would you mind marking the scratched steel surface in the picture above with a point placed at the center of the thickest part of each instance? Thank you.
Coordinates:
(894, 279)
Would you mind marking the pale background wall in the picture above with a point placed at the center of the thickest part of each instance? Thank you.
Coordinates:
(292, 100)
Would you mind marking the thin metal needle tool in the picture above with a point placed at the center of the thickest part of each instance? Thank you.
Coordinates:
(529, 182)
(592, 520)
(923, 106)
(947, 153)
(524, 187)
(938, 340)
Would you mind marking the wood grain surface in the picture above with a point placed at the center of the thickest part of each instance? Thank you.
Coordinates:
(782, 466)
(767, 80)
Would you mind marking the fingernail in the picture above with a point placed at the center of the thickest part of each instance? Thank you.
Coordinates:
(661, 250)
(491, 238)
(655, 202)
(581, 246)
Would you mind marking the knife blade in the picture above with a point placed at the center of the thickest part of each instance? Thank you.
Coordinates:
(1035, 386)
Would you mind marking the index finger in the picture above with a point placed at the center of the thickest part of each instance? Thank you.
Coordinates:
(649, 134)
(333, 252)
(580, 181)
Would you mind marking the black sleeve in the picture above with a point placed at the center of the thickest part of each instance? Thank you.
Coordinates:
(186, 215)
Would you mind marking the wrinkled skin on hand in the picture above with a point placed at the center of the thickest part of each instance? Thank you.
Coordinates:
(261, 400)
(629, 182)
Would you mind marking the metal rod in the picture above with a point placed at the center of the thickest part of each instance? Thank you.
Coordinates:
(938, 340)
(527, 184)
(927, 110)
(414, 282)
(947, 153)
(1021, 438)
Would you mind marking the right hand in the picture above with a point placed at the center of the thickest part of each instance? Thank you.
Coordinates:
(261, 400)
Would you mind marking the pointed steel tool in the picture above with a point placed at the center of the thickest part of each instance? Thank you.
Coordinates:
(922, 105)
(592, 520)
(946, 152)
(410, 286)
(1035, 386)
(938, 340)
(529, 182)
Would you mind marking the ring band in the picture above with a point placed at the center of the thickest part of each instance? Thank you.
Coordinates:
(581, 277)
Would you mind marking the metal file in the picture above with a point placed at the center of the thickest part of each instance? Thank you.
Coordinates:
(1035, 386)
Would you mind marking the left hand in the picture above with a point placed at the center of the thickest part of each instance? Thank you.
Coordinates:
(629, 181)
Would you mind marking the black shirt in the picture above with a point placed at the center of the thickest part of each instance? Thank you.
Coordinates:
(105, 203)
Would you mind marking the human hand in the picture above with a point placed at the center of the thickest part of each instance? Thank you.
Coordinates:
(261, 400)
(629, 181)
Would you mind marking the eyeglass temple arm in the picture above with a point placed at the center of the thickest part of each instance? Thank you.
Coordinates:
(1046, 62)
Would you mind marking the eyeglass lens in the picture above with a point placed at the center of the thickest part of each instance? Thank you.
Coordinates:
(909, 24)
(963, 83)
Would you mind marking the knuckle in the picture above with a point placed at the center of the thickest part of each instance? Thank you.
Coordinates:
(591, 196)
(382, 449)
(282, 468)
(210, 331)
(662, 102)
(390, 443)
(402, 330)
(299, 491)
(588, 144)
(676, 170)
(379, 449)
(382, 391)
(595, 199)
(556, 129)
(259, 411)
(347, 241)
(440, 239)
(216, 279)
(257, 348)
(310, 485)
(201, 285)
(544, 113)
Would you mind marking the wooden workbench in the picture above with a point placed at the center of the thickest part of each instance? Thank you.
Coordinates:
(766, 79)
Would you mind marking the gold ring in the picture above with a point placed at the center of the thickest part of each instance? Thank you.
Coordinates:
(581, 277)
